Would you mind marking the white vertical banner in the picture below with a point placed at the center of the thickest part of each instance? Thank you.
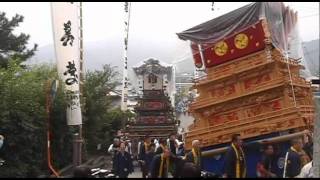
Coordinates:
(65, 23)
(124, 96)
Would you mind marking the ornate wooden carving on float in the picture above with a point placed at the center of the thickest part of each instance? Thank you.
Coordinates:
(247, 89)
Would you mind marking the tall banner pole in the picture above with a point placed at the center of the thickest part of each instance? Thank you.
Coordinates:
(80, 138)
(124, 96)
(65, 23)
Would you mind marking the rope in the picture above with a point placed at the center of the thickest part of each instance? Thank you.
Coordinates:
(290, 78)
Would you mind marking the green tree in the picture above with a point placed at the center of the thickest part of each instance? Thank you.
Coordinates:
(101, 120)
(13, 46)
(23, 118)
(23, 121)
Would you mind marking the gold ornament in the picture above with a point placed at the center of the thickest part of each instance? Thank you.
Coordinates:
(221, 48)
(241, 41)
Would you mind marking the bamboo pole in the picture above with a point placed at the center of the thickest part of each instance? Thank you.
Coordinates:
(81, 84)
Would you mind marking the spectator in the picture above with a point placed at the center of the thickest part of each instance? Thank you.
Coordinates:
(149, 156)
(194, 156)
(308, 145)
(114, 148)
(293, 163)
(162, 145)
(180, 146)
(144, 148)
(235, 162)
(172, 143)
(266, 167)
(122, 162)
(128, 146)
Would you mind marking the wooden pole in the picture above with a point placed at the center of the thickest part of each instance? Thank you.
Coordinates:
(77, 137)
(81, 83)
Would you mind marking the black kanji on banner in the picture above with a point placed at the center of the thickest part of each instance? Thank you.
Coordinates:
(72, 99)
(126, 9)
(72, 71)
(67, 36)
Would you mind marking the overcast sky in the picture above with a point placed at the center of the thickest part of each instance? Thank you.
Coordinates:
(157, 21)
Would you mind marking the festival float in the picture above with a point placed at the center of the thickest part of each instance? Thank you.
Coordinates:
(253, 83)
(154, 110)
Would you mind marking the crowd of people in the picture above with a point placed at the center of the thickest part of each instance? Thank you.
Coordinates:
(165, 157)
(161, 157)
(297, 162)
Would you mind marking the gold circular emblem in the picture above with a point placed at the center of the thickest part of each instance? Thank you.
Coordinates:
(241, 41)
(221, 48)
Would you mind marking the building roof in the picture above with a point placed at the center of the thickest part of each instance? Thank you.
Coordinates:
(152, 65)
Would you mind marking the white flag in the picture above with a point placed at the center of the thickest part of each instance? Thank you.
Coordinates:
(65, 23)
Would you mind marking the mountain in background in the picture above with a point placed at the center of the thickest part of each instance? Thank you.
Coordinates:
(96, 54)
(110, 52)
